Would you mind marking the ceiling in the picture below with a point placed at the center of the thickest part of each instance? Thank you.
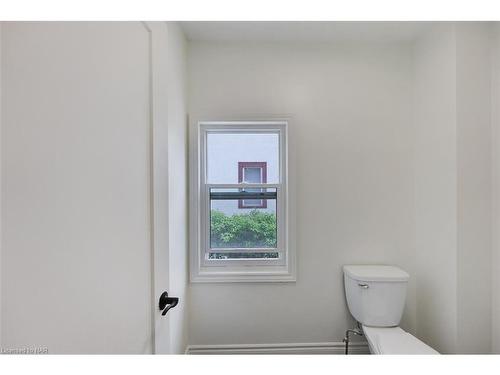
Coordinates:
(303, 31)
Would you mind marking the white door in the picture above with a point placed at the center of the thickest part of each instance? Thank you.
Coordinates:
(78, 235)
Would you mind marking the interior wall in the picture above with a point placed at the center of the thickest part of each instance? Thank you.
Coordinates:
(474, 187)
(350, 107)
(177, 185)
(495, 144)
(75, 197)
(435, 187)
(453, 187)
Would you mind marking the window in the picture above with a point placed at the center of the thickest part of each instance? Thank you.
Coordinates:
(252, 173)
(239, 210)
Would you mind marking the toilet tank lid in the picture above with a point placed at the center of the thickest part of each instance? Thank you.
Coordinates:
(375, 273)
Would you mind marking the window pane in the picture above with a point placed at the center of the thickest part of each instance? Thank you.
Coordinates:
(234, 226)
(252, 175)
(270, 255)
(226, 150)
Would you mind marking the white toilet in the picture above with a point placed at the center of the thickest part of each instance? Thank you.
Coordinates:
(376, 299)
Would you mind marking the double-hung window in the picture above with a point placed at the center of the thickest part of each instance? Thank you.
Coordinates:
(239, 198)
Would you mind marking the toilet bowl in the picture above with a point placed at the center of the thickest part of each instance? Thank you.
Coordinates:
(394, 340)
(376, 297)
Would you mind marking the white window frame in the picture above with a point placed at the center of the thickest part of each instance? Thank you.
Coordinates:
(237, 270)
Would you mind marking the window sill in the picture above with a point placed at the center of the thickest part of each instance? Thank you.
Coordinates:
(240, 277)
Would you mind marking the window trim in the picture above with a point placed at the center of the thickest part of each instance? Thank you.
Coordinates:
(263, 180)
(251, 270)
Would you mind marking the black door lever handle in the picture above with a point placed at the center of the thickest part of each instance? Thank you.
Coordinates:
(166, 303)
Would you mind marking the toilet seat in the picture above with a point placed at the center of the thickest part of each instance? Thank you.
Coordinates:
(394, 340)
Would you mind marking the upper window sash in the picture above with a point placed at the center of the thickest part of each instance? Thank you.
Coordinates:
(247, 128)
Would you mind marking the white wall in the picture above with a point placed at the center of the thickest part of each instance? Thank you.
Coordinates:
(453, 187)
(474, 187)
(352, 130)
(177, 184)
(435, 188)
(495, 122)
(75, 187)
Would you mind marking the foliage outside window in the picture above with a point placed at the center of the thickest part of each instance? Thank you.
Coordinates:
(249, 230)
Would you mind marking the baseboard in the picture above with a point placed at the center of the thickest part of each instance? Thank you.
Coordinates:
(287, 348)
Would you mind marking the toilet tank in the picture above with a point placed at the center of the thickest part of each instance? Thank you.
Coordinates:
(375, 294)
